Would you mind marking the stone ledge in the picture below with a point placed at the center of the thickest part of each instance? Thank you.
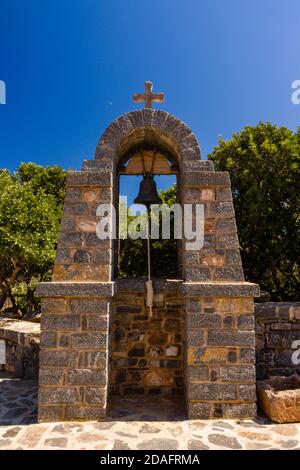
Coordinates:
(206, 178)
(75, 289)
(219, 289)
(20, 332)
(100, 176)
(92, 165)
(138, 285)
(207, 289)
(198, 165)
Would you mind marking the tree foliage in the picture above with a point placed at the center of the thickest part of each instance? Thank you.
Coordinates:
(30, 210)
(264, 166)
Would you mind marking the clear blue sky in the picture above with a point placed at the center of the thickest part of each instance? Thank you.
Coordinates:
(71, 66)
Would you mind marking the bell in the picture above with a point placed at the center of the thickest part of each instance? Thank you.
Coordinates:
(148, 192)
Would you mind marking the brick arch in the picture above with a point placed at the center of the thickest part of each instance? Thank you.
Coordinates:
(136, 126)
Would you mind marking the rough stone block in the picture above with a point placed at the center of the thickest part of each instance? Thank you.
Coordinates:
(199, 410)
(60, 322)
(193, 305)
(89, 340)
(50, 414)
(97, 322)
(58, 358)
(247, 392)
(196, 321)
(206, 178)
(95, 395)
(226, 225)
(75, 208)
(58, 395)
(99, 306)
(198, 274)
(233, 258)
(82, 256)
(220, 289)
(198, 373)
(49, 376)
(279, 397)
(224, 194)
(227, 240)
(204, 355)
(99, 177)
(89, 359)
(237, 373)
(48, 339)
(195, 338)
(54, 305)
(246, 322)
(235, 411)
(230, 338)
(228, 274)
(247, 355)
(85, 413)
(87, 377)
(212, 392)
(221, 209)
(75, 289)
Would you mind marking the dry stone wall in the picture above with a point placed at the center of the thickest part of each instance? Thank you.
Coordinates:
(277, 338)
(147, 350)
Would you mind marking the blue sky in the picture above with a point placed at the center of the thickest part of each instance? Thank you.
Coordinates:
(71, 66)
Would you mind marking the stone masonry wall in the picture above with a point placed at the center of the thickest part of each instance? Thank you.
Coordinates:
(220, 377)
(277, 327)
(74, 352)
(147, 351)
(81, 255)
(219, 259)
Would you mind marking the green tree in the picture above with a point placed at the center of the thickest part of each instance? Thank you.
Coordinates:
(30, 211)
(264, 166)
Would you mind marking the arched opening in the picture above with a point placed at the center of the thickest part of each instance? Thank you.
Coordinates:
(147, 345)
(158, 162)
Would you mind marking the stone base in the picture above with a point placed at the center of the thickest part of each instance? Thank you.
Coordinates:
(74, 351)
(279, 398)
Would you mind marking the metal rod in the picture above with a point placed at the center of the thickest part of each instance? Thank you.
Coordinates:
(149, 261)
(148, 252)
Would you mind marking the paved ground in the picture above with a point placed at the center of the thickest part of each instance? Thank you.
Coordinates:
(158, 424)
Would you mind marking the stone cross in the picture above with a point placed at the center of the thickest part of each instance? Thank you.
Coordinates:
(148, 97)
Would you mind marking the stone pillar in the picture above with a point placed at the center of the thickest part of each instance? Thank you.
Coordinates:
(76, 305)
(220, 340)
(220, 350)
(73, 377)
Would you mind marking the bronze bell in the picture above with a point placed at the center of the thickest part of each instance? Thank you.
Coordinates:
(148, 192)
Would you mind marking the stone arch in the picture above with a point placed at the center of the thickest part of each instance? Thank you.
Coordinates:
(134, 127)
(214, 362)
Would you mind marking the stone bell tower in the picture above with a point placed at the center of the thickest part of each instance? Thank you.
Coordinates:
(97, 338)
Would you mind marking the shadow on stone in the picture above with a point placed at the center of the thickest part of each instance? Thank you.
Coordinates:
(18, 400)
(165, 408)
